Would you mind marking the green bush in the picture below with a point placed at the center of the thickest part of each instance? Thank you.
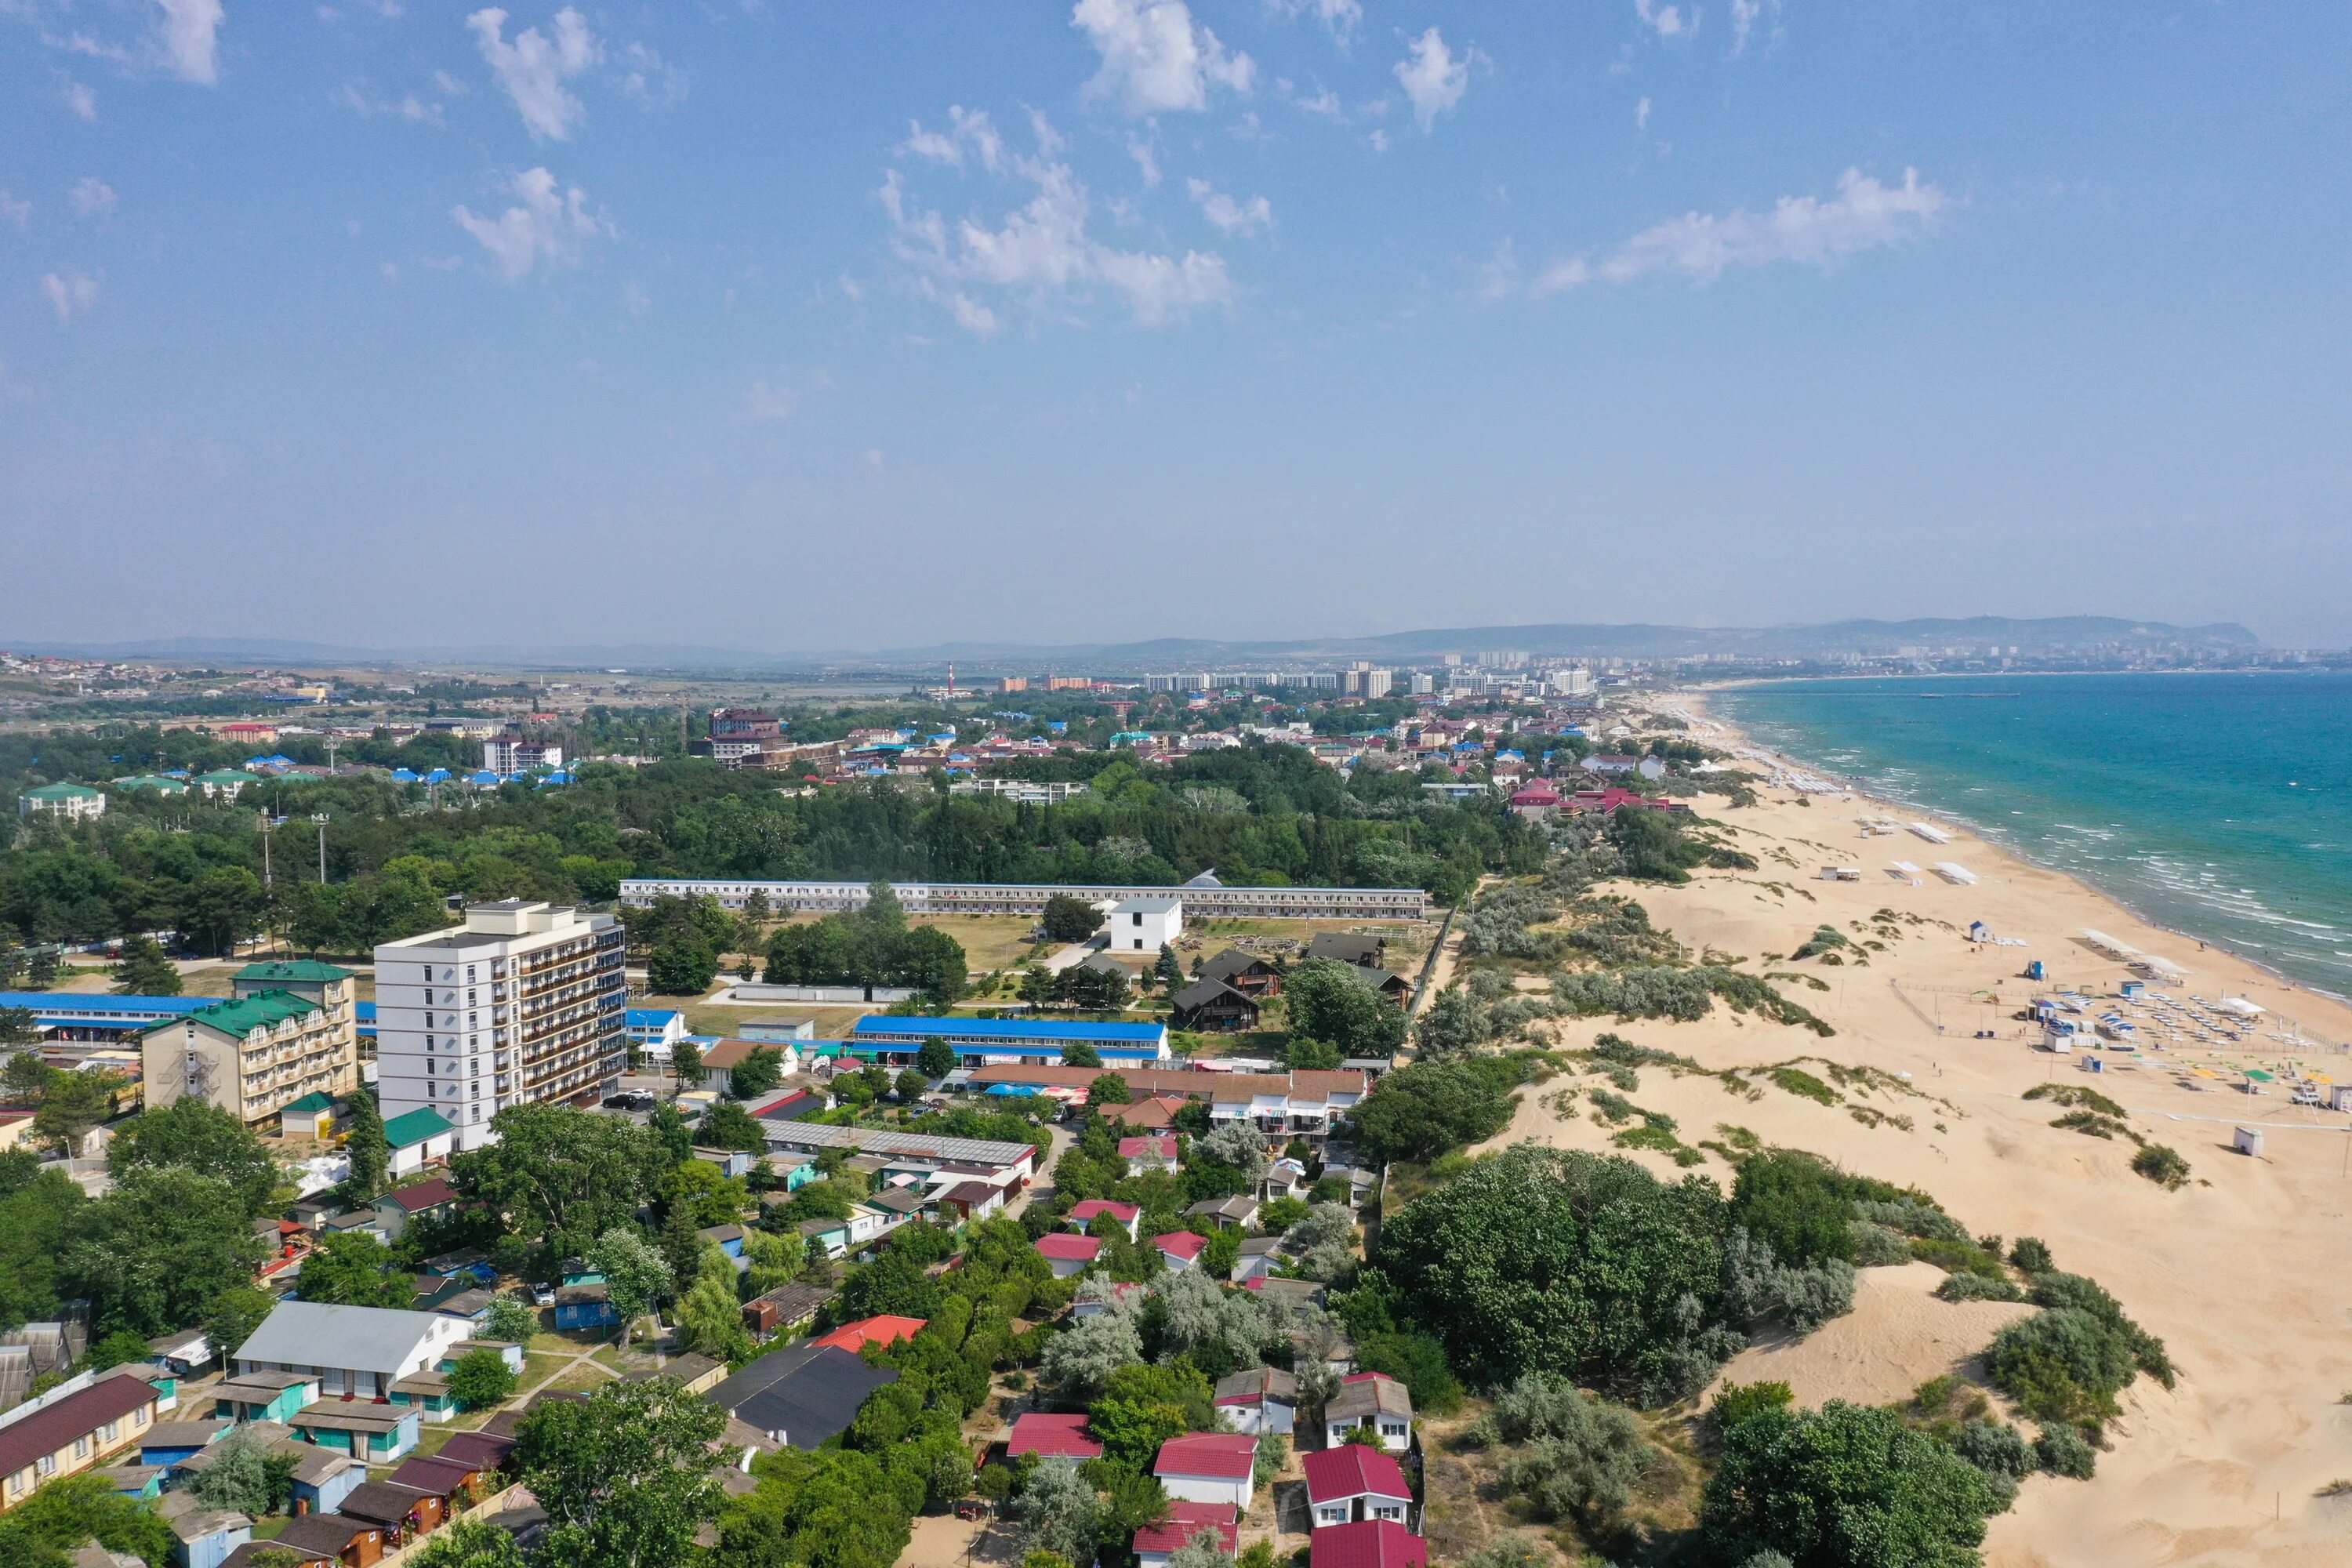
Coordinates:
(1798, 1081)
(2032, 1254)
(1845, 1487)
(2061, 1365)
(1978, 1287)
(2147, 1351)
(1737, 1402)
(1577, 1457)
(1997, 1448)
(2063, 1451)
(1875, 1247)
(2163, 1166)
(1796, 1203)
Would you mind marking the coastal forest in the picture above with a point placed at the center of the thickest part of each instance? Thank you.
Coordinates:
(396, 853)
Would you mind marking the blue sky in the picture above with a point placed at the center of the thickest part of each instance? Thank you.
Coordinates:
(788, 325)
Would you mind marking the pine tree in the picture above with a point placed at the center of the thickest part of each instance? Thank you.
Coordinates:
(142, 969)
(364, 1140)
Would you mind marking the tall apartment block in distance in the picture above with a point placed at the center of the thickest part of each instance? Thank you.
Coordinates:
(523, 1002)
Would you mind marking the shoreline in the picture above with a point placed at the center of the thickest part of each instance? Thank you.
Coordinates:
(1696, 698)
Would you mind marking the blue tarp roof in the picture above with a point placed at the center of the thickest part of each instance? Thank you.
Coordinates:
(87, 1006)
(1011, 1090)
(1010, 1029)
(404, 775)
(650, 1017)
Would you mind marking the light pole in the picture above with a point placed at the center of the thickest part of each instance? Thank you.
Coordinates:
(321, 819)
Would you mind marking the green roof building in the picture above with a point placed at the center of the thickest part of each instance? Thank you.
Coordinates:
(161, 783)
(72, 801)
(254, 1056)
(418, 1138)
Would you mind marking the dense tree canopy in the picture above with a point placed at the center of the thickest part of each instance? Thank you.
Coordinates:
(1848, 1486)
(1550, 1260)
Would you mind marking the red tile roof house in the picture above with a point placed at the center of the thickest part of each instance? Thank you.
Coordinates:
(1156, 1543)
(1068, 1254)
(1210, 1467)
(882, 1330)
(1148, 1152)
(1085, 1214)
(1051, 1437)
(68, 1435)
(1180, 1248)
(1375, 1543)
(1353, 1482)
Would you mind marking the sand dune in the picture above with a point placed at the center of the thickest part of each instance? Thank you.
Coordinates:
(2244, 1272)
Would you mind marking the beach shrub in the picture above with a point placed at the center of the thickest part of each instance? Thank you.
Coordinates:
(2063, 1451)
(1799, 1082)
(1998, 1450)
(2061, 1365)
(1823, 940)
(1737, 1402)
(2032, 1254)
(1978, 1287)
(1571, 1262)
(1847, 1486)
(1578, 1457)
(1514, 1551)
(2077, 1096)
(1913, 1214)
(2055, 1290)
(1615, 932)
(1797, 1204)
(2091, 1124)
(2163, 1166)
(1756, 1287)
(1875, 1247)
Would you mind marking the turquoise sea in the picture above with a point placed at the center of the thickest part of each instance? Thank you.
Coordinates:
(2220, 805)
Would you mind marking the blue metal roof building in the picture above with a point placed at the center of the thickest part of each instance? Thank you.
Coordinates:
(981, 1040)
(86, 1016)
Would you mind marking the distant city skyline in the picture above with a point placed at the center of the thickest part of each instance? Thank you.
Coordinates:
(747, 325)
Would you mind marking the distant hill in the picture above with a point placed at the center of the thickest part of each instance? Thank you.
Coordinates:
(2030, 638)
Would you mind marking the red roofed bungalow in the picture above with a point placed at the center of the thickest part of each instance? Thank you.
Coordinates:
(1051, 1437)
(1209, 1467)
(1148, 1152)
(882, 1330)
(1068, 1254)
(1374, 1544)
(1353, 1482)
(1084, 1214)
(1605, 800)
(1535, 798)
(1181, 1248)
(1155, 1543)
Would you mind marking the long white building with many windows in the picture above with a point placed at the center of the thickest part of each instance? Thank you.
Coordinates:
(1204, 898)
(524, 1002)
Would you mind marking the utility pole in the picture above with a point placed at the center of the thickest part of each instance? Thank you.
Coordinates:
(321, 819)
(264, 847)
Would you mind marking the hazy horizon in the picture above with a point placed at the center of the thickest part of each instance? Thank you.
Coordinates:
(394, 325)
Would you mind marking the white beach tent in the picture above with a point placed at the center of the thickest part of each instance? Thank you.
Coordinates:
(1931, 833)
(1954, 872)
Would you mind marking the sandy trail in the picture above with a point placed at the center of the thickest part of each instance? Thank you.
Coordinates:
(2244, 1272)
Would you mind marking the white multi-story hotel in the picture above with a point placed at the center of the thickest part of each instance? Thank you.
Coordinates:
(524, 1002)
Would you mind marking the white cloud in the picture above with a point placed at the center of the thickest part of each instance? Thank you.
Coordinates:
(1324, 103)
(1864, 215)
(1666, 21)
(874, 463)
(1144, 159)
(649, 78)
(765, 405)
(967, 128)
(92, 198)
(1042, 255)
(1434, 77)
(546, 226)
(1642, 115)
(1341, 15)
(532, 67)
(407, 106)
(1156, 59)
(17, 212)
(1252, 216)
(70, 292)
(1744, 15)
(80, 100)
(191, 29)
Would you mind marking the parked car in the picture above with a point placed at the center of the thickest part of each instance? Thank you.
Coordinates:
(542, 1295)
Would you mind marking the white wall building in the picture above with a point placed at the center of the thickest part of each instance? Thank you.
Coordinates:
(354, 1352)
(524, 1002)
(520, 754)
(1145, 924)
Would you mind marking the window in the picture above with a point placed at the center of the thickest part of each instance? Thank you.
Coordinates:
(106, 1433)
(46, 1465)
(82, 1447)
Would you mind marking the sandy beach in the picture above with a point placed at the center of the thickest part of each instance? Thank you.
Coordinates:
(2242, 1271)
